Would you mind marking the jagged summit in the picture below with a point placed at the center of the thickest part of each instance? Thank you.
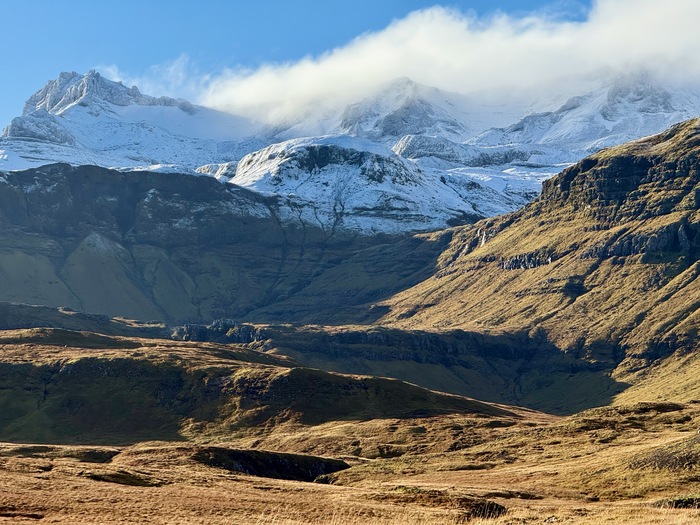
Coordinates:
(88, 119)
(642, 90)
(92, 89)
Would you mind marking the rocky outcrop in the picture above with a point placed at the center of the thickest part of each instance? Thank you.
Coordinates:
(529, 260)
(677, 238)
(636, 181)
(420, 146)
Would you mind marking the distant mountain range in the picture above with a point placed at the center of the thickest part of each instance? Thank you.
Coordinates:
(409, 158)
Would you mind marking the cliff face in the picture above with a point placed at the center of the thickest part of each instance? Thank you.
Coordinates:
(514, 368)
(636, 181)
(605, 262)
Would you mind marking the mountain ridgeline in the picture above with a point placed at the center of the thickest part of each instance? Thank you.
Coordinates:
(403, 159)
(605, 262)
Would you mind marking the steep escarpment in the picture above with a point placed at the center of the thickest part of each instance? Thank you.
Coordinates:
(636, 181)
(514, 368)
(605, 262)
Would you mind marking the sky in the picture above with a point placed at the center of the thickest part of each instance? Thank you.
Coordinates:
(272, 58)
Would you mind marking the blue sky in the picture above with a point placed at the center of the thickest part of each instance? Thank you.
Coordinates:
(144, 39)
(278, 59)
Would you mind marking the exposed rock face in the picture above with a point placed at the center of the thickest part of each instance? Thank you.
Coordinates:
(418, 146)
(504, 368)
(642, 181)
(394, 162)
(637, 181)
(351, 181)
(74, 88)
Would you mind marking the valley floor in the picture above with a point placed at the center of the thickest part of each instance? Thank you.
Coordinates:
(31, 497)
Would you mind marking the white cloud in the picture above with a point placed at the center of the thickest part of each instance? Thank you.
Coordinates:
(458, 52)
(175, 78)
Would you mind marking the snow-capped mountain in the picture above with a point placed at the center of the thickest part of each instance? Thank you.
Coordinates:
(350, 183)
(630, 107)
(87, 119)
(408, 158)
(404, 107)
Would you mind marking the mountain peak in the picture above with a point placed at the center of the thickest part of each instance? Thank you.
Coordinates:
(641, 91)
(639, 179)
(402, 107)
(92, 89)
(404, 87)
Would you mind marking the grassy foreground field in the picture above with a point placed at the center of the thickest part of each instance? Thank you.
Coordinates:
(133, 430)
(576, 481)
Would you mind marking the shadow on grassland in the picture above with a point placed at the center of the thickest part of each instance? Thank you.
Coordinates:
(512, 368)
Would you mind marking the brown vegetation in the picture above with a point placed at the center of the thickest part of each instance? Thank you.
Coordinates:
(467, 462)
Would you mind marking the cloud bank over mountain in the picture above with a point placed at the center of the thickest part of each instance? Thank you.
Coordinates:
(459, 52)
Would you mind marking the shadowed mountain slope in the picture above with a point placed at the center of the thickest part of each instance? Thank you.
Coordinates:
(514, 368)
(181, 248)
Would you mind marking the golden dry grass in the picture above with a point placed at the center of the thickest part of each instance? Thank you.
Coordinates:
(606, 465)
(584, 469)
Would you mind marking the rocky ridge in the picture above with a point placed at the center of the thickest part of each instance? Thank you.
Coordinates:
(604, 262)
